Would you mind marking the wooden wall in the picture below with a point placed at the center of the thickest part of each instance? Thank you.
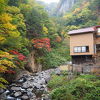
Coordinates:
(82, 40)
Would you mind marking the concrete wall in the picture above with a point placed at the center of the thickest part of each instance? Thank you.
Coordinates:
(82, 40)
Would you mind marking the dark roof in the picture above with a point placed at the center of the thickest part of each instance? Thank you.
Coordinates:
(84, 30)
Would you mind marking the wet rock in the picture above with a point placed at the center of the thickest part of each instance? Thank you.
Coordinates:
(22, 80)
(10, 98)
(18, 99)
(7, 92)
(22, 90)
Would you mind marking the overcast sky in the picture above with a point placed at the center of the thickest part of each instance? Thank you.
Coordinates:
(49, 1)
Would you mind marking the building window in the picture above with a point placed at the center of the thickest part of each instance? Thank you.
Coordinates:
(84, 49)
(81, 49)
(98, 30)
(75, 49)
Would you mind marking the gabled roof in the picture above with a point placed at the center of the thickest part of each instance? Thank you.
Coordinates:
(84, 30)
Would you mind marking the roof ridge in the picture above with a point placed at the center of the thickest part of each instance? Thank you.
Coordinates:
(84, 30)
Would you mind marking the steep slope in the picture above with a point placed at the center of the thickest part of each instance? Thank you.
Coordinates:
(64, 6)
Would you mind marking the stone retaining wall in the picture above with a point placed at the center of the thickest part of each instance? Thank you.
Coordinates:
(86, 68)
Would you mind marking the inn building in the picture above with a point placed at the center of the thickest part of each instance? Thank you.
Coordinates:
(85, 45)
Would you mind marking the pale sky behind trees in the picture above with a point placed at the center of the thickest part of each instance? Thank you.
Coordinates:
(49, 1)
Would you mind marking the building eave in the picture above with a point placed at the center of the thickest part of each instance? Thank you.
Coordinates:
(84, 30)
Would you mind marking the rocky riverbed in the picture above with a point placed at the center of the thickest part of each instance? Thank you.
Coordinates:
(29, 87)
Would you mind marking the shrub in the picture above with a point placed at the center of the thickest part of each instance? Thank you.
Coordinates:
(85, 87)
(56, 57)
(57, 81)
(2, 82)
(6, 66)
(42, 43)
(20, 59)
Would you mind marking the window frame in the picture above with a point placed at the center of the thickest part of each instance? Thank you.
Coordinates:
(80, 51)
(98, 30)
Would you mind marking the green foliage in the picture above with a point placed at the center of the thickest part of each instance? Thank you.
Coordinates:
(12, 36)
(85, 13)
(56, 57)
(36, 19)
(25, 51)
(6, 63)
(2, 81)
(12, 28)
(16, 2)
(57, 81)
(85, 87)
(3, 4)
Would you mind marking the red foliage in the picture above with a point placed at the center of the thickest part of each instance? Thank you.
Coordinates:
(42, 43)
(20, 56)
(14, 52)
(10, 72)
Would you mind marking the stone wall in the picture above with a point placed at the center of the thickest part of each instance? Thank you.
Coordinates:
(86, 68)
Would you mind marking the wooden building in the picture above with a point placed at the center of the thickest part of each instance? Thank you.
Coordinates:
(85, 45)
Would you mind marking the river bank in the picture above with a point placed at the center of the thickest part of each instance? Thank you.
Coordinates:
(29, 87)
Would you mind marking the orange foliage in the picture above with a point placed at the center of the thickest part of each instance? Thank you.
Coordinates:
(42, 43)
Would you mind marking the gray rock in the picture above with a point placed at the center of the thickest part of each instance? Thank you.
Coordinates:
(30, 86)
(45, 97)
(57, 71)
(37, 86)
(27, 84)
(24, 97)
(22, 89)
(47, 78)
(41, 81)
(10, 98)
(3, 96)
(31, 95)
(2, 91)
(13, 84)
(18, 99)
(22, 80)
(17, 94)
(7, 92)
(15, 88)
(30, 89)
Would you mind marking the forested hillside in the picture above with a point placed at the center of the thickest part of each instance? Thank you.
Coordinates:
(83, 14)
(33, 33)
(26, 27)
